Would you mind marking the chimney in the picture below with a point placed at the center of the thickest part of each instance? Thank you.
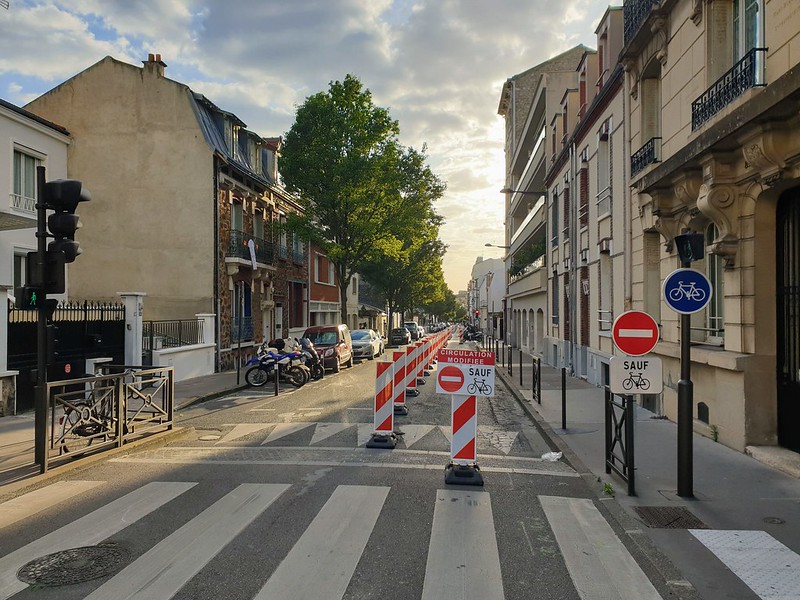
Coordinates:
(154, 64)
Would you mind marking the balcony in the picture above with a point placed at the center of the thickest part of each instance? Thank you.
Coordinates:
(532, 279)
(246, 329)
(238, 248)
(648, 154)
(741, 77)
(635, 13)
(24, 204)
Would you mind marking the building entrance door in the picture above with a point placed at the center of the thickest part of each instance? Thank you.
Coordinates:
(788, 323)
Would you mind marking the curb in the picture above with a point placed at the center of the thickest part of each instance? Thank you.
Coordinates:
(647, 554)
(154, 440)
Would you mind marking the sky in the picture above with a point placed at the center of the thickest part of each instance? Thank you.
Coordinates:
(437, 65)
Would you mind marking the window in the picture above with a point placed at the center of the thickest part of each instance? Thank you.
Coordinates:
(652, 274)
(20, 263)
(555, 299)
(554, 218)
(237, 216)
(354, 286)
(715, 324)
(746, 26)
(24, 194)
(323, 270)
(258, 225)
(604, 170)
(605, 311)
(242, 321)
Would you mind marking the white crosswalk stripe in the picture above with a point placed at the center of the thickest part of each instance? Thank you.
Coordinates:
(31, 503)
(91, 529)
(462, 561)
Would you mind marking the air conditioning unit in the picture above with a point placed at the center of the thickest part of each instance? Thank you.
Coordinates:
(604, 246)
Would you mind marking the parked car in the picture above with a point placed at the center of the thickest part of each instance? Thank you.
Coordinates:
(399, 336)
(333, 343)
(414, 329)
(366, 344)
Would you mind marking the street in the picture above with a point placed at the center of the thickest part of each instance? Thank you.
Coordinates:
(277, 497)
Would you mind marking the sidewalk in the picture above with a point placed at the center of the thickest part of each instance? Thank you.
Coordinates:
(17, 432)
(732, 491)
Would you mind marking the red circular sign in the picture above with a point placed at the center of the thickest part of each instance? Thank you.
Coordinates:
(635, 332)
(67, 368)
(451, 379)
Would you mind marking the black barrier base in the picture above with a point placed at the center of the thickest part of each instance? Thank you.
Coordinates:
(463, 474)
(400, 409)
(421, 381)
(412, 392)
(427, 373)
(386, 441)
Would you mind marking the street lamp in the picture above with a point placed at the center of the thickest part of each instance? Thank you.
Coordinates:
(488, 245)
(508, 190)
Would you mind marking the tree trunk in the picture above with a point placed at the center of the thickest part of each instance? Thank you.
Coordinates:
(344, 284)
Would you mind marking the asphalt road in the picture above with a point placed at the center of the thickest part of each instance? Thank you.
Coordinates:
(277, 497)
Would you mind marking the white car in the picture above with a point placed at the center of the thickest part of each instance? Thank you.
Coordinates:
(366, 344)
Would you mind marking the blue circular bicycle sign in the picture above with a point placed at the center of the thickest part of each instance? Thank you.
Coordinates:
(687, 291)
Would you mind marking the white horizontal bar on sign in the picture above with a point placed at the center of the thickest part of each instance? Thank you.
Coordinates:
(636, 333)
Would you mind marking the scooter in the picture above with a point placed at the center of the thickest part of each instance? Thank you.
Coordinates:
(261, 368)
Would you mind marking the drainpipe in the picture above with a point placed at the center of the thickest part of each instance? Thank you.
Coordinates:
(216, 301)
(573, 254)
(626, 199)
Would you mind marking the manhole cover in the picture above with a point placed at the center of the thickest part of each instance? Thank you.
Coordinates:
(773, 520)
(669, 517)
(75, 565)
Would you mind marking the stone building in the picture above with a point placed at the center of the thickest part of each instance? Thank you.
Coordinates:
(186, 205)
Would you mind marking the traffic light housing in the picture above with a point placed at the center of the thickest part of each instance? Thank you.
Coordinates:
(63, 196)
(29, 297)
(477, 313)
(691, 246)
(52, 342)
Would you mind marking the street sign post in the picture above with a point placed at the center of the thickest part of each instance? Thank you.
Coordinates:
(687, 291)
(635, 332)
(639, 375)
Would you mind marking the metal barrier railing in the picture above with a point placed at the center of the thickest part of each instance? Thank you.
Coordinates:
(90, 414)
(619, 438)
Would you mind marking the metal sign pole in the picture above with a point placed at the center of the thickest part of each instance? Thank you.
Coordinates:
(685, 399)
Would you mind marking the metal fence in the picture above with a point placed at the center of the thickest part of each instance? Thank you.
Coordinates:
(90, 414)
(171, 334)
(619, 438)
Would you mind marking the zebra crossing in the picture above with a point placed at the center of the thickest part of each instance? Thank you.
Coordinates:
(463, 558)
(490, 438)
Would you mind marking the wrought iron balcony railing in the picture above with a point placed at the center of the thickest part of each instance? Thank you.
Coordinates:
(238, 247)
(744, 75)
(247, 329)
(635, 13)
(646, 155)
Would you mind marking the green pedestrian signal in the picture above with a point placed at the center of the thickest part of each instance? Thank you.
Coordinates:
(28, 297)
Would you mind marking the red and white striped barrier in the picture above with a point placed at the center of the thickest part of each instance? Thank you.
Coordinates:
(383, 408)
(399, 358)
(419, 367)
(411, 374)
(464, 422)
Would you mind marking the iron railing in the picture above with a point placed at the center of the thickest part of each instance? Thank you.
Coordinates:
(171, 334)
(72, 311)
(646, 155)
(635, 13)
(90, 414)
(619, 438)
(247, 329)
(744, 75)
(238, 247)
(298, 256)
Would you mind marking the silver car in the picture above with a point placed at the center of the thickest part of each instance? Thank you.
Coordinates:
(366, 344)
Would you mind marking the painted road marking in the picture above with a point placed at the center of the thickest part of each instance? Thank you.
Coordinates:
(463, 561)
(165, 569)
(598, 563)
(243, 429)
(768, 567)
(31, 503)
(284, 429)
(90, 529)
(324, 559)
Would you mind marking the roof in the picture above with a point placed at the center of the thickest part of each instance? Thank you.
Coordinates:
(33, 117)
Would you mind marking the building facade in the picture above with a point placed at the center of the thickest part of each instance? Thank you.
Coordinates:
(187, 206)
(712, 88)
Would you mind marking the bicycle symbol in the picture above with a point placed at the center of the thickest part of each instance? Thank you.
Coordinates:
(636, 380)
(688, 291)
(479, 386)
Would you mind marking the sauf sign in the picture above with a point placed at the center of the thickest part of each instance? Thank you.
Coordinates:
(635, 333)
(465, 372)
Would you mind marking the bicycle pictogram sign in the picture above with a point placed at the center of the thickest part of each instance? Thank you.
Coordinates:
(687, 291)
(640, 375)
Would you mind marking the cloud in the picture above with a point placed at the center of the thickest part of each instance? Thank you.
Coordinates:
(438, 65)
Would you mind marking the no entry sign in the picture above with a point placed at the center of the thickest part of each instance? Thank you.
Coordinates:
(635, 332)
(450, 379)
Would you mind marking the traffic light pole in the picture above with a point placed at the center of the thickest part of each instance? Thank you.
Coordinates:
(40, 423)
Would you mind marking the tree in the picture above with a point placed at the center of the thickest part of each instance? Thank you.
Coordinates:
(360, 188)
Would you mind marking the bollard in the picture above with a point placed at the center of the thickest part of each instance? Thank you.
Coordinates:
(277, 378)
(563, 398)
(520, 367)
(511, 360)
(383, 407)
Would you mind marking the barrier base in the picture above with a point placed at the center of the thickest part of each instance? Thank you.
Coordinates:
(421, 381)
(400, 409)
(455, 474)
(427, 373)
(382, 440)
(412, 392)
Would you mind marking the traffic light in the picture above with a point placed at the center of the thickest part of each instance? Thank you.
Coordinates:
(62, 196)
(47, 276)
(477, 313)
(28, 297)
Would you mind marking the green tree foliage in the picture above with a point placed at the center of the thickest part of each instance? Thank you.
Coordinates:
(363, 193)
(525, 258)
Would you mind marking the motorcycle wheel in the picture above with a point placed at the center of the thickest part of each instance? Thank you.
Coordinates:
(317, 372)
(295, 376)
(306, 373)
(256, 376)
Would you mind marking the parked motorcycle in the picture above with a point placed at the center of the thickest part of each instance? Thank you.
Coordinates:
(313, 359)
(261, 368)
